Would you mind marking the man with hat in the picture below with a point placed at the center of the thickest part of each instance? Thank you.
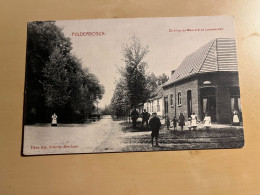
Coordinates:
(145, 118)
(155, 125)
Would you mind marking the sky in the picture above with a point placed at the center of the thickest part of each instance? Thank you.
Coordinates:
(169, 41)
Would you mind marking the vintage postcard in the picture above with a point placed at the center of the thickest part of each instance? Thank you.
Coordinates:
(132, 84)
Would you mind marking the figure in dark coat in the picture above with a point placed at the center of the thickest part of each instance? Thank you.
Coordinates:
(134, 116)
(181, 121)
(155, 125)
(145, 117)
(174, 120)
(167, 121)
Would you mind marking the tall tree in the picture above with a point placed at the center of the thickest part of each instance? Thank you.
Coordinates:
(42, 39)
(134, 72)
(55, 79)
(56, 82)
(119, 101)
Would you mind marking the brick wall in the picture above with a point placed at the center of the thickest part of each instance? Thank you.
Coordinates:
(222, 81)
(182, 87)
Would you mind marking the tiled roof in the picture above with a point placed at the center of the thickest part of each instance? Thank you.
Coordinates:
(217, 55)
(158, 93)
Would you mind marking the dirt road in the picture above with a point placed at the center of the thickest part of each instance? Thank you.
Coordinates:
(100, 136)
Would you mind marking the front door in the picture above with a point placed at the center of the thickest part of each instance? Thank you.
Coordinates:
(165, 105)
(209, 103)
(235, 101)
(189, 103)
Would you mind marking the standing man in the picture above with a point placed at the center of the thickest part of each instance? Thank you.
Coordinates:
(134, 116)
(181, 121)
(155, 125)
(145, 117)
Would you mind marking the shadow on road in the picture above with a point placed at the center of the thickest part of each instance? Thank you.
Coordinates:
(127, 127)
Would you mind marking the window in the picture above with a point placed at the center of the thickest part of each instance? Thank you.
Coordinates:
(158, 106)
(152, 105)
(171, 100)
(179, 98)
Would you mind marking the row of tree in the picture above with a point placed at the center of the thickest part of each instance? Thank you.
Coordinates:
(135, 85)
(55, 79)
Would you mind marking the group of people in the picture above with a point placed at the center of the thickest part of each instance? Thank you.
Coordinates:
(154, 123)
(144, 115)
(192, 121)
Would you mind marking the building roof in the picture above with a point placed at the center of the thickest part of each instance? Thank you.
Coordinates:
(158, 93)
(217, 55)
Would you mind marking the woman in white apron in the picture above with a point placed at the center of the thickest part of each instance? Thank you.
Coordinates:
(54, 120)
(207, 121)
(236, 121)
(189, 124)
(193, 121)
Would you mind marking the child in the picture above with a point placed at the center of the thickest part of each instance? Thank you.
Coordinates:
(207, 121)
(189, 124)
(174, 120)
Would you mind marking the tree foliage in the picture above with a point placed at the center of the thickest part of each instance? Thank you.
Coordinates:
(55, 79)
(134, 71)
(161, 79)
(152, 81)
(135, 85)
(119, 102)
(107, 110)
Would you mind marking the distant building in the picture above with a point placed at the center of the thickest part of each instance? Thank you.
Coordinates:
(205, 82)
(154, 103)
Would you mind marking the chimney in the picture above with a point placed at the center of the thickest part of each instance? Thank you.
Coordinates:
(172, 72)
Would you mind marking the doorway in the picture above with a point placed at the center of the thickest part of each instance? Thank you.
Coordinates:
(208, 101)
(189, 103)
(235, 102)
(166, 105)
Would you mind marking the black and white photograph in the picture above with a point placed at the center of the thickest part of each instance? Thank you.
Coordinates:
(131, 85)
